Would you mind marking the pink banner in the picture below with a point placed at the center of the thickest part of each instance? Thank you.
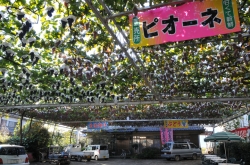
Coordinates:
(166, 135)
(192, 20)
(242, 132)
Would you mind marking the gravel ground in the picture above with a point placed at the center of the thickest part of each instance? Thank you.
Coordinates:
(116, 161)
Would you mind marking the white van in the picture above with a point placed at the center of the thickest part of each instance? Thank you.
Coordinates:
(13, 155)
(178, 150)
(100, 151)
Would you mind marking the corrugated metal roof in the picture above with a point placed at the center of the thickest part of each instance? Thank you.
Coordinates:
(141, 129)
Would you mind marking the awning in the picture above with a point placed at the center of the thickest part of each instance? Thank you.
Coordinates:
(140, 129)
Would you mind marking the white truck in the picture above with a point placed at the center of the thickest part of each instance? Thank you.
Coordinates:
(100, 151)
(76, 153)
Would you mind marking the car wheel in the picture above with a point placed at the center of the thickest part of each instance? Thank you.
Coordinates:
(96, 157)
(177, 158)
(194, 156)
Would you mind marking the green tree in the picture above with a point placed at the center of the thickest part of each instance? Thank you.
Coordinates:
(67, 138)
(35, 137)
(233, 124)
(4, 137)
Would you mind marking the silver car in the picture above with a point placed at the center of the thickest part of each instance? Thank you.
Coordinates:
(13, 154)
(179, 150)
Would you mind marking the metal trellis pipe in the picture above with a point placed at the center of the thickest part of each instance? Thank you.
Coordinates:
(125, 103)
(144, 120)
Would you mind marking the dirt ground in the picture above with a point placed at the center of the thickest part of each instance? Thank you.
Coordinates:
(117, 161)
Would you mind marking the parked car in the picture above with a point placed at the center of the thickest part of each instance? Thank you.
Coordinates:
(179, 150)
(100, 151)
(76, 152)
(58, 156)
(13, 154)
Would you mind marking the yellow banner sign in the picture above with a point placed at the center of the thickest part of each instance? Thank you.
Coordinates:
(176, 123)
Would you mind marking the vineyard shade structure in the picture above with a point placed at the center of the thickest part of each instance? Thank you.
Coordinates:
(52, 75)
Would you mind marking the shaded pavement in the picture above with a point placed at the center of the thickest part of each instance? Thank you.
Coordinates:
(117, 161)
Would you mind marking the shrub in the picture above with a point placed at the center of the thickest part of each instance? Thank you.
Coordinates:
(238, 150)
(149, 153)
(34, 138)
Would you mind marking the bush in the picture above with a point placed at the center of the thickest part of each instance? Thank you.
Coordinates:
(238, 150)
(34, 138)
(149, 153)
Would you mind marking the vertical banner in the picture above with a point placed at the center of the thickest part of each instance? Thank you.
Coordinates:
(166, 135)
(191, 20)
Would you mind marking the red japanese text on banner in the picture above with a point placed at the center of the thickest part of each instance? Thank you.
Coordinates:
(176, 123)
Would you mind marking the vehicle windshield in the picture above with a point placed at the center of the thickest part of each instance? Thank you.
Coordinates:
(89, 148)
(167, 146)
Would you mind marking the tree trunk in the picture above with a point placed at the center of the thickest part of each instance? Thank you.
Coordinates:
(21, 127)
(71, 134)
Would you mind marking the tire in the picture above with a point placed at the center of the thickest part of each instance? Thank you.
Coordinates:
(96, 157)
(177, 157)
(194, 156)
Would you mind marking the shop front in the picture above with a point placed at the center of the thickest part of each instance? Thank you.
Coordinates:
(133, 140)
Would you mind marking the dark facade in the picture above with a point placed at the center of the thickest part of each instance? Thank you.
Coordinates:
(135, 139)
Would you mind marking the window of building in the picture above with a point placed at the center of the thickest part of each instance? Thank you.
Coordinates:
(147, 141)
(12, 124)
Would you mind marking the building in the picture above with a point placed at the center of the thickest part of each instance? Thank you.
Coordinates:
(8, 124)
(136, 138)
